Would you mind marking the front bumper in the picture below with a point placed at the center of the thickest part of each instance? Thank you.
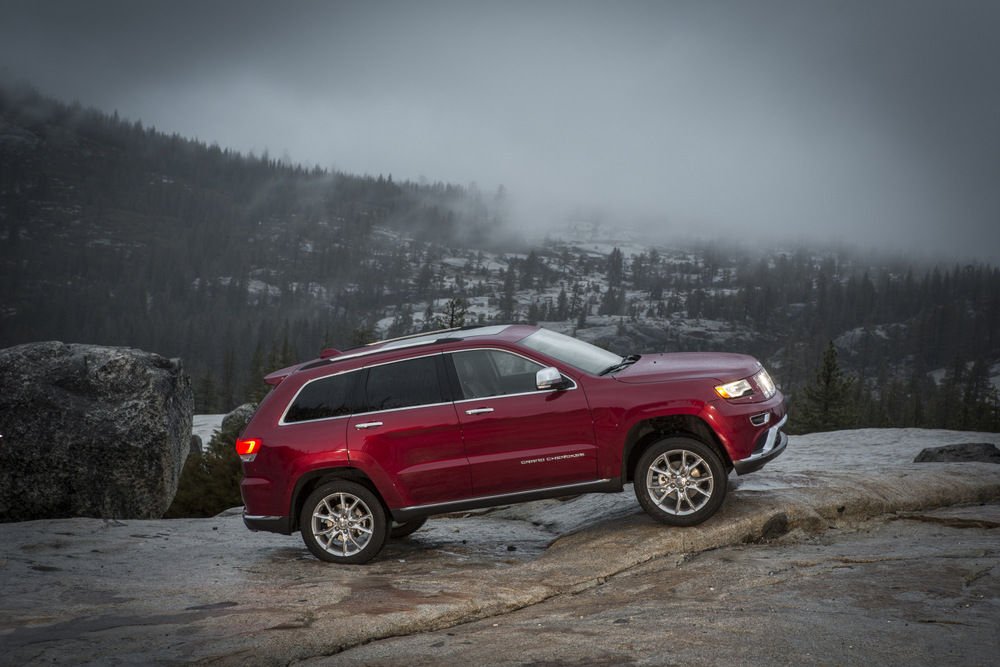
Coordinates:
(770, 446)
(270, 524)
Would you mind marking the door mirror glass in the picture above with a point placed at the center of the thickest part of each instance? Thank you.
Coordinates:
(549, 378)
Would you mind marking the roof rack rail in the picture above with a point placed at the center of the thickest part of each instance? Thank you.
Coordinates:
(414, 335)
(415, 340)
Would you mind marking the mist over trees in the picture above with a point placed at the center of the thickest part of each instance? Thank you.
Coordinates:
(116, 234)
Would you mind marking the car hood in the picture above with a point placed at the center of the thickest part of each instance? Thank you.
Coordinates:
(720, 366)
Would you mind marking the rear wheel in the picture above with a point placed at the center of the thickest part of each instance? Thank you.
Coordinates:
(404, 528)
(680, 481)
(343, 522)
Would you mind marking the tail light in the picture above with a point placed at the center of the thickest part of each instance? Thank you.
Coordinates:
(247, 448)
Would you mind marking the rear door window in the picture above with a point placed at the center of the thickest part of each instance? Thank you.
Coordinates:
(404, 384)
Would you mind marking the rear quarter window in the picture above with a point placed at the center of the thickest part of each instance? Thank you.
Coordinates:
(324, 398)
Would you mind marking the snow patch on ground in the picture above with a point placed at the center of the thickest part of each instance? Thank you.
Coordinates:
(854, 450)
(204, 426)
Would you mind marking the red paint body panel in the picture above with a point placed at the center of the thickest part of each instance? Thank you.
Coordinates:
(288, 452)
(619, 407)
(419, 450)
(720, 366)
(516, 446)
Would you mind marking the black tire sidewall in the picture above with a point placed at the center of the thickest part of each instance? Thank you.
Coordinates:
(707, 453)
(381, 524)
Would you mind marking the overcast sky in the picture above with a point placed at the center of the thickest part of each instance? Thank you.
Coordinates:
(868, 122)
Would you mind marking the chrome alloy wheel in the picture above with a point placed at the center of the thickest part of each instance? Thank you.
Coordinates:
(342, 524)
(680, 482)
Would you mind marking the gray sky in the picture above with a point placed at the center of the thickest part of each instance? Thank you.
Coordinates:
(875, 123)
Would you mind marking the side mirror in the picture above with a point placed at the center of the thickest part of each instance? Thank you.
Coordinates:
(549, 378)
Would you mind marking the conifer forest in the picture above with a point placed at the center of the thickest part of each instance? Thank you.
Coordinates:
(117, 234)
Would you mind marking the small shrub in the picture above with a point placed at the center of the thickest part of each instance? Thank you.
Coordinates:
(210, 480)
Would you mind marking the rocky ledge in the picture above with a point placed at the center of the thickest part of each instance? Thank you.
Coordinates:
(90, 431)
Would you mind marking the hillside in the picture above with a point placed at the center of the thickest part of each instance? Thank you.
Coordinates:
(121, 235)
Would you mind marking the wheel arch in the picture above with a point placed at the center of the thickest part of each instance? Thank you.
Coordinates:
(313, 479)
(647, 431)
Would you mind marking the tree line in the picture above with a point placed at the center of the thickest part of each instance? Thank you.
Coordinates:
(118, 234)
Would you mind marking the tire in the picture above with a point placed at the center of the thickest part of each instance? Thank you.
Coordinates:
(343, 522)
(680, 481)
(405, 528)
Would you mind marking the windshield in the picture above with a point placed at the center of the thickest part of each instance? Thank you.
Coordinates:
(576, 353)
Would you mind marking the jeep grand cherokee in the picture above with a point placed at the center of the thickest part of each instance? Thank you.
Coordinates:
(355, 447)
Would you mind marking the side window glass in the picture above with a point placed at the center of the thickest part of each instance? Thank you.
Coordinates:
(403, 384)
(483, 373)
(323, 398)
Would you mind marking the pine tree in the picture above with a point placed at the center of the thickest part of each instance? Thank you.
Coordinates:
(429, 319)
(454, 313)
(255, 388)
(827, 404)
(401, 323)
(228, 389)
(363, 334)
(206, 397)
(210, 480)
(611, 302)
(562, 306)
(975, 401)
(507, 302)
(615, 268)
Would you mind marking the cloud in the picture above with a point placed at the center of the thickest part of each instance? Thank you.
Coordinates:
(870, 123)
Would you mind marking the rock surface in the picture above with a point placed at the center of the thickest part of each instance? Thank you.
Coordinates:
(982, 452)
(85, 591)
(239, 417)
(914, 590)
(90, 431)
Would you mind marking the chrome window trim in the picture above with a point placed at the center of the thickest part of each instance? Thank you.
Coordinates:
(282, 422)
(399, 361)
(408, 407)
(523, 393)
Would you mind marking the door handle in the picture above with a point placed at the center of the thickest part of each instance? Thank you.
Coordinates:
(478, 411)
(368, 425)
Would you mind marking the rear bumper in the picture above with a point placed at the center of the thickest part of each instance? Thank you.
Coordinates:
(270, 524)
(772, 444)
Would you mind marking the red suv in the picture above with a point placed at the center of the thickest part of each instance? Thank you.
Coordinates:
(354, 447)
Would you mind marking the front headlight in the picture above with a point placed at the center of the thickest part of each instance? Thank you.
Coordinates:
(765, 383)
(736, 389)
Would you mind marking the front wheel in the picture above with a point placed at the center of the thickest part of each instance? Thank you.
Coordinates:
(680, 481)
(343, 522)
